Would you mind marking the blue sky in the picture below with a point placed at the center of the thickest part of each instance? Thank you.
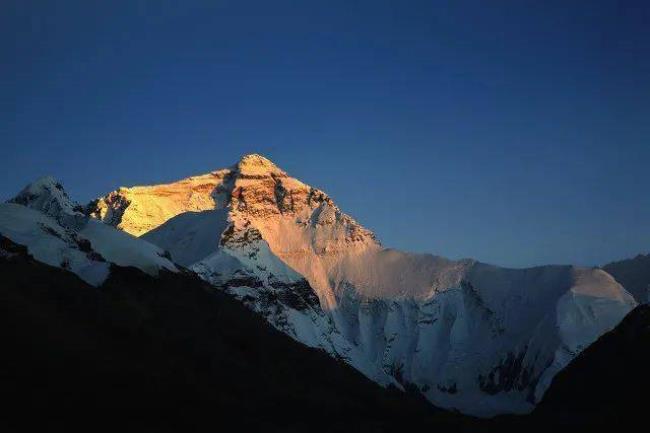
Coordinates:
(517, 133)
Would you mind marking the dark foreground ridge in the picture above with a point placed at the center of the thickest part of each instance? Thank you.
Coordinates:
(171, 354)
(608, 383)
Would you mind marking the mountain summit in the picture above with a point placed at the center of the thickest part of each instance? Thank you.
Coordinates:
(470, 336)
(48, 196)
(254, 164)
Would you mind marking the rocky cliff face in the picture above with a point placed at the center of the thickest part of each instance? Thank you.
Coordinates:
(469, 336)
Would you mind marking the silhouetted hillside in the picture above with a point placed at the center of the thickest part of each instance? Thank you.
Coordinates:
(607, 384)
(170, 354)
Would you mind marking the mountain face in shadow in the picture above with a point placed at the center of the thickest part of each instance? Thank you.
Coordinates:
(634, 275)
(171, 353)
(607, 384)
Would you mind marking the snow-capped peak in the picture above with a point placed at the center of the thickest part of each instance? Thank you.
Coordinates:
(48, 196)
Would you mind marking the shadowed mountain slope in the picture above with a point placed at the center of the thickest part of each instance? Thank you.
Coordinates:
(607, 384)
(169, 353)
(634, 275)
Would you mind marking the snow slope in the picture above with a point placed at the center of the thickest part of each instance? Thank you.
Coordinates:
(469, 336)
(44, 219)
(50, 243)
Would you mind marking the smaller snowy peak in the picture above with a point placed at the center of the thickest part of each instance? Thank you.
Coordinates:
(257, 165)
(86, 248)
(48, 196)
(51, 243)
(56, 231)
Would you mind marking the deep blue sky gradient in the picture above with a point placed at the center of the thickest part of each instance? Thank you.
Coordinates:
(514, 132)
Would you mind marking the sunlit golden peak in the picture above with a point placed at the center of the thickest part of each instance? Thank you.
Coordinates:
(255, 164)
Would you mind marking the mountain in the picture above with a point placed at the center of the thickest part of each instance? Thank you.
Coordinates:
(606, 384)
(152, 346)
(101, 330)
(44, 219)
(469, 336)
(171, 353)
(634, 275)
